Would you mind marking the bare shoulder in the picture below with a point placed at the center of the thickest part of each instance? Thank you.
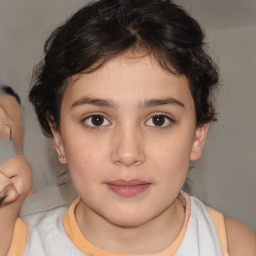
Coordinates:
(241, 239)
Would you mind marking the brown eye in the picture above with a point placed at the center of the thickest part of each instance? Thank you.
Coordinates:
(96, 121)
(159, 121)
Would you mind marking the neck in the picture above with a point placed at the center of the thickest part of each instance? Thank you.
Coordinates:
(132, 240)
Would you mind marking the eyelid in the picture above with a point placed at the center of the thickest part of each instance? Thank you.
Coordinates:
(95, 114)
(168, 115)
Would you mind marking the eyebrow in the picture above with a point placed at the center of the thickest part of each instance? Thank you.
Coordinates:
(94, 102)
(159, 102)
(110, 103)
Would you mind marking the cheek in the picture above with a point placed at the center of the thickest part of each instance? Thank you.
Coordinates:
(82, 169)
(172, 158)
(172, 164)
(84, 161)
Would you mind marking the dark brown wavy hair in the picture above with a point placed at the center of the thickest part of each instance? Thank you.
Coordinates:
(105, 29)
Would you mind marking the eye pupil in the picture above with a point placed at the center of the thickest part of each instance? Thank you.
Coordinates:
(158, 120)
(97, 120)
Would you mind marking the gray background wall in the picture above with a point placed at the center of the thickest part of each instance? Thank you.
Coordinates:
(224, 177)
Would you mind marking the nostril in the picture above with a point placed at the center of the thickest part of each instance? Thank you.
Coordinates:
(125, 158)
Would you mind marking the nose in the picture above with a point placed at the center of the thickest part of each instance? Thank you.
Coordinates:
(127, 147)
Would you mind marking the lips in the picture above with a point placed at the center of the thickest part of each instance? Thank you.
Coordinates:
(128, 188)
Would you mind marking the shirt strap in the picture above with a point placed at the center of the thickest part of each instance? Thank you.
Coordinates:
(19, 238)
(218, 220)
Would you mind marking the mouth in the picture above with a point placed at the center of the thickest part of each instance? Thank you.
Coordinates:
(128, 188)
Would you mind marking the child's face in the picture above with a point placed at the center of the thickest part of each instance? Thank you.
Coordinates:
(128, 132)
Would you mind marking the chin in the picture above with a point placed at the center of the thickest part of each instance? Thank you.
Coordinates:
(128, 222)
(128, 219)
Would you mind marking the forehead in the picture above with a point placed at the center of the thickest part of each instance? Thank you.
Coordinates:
(135, 76)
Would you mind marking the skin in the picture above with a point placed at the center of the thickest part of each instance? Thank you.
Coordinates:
(15, 184)
(11, 124)
(128, 145)
(15, 173)
(241, 239)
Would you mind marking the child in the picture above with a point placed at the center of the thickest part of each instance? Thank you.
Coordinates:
(11, 117)
(12, 160)
(15, 171)
(11, 137)
(126, 92)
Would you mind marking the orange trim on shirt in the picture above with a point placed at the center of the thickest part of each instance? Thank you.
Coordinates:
(218, 220)
(19, 238)
(32, 192)
(78, 239)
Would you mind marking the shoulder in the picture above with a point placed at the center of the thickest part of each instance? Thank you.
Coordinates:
(241, 239)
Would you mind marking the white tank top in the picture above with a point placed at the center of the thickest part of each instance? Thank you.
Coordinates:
(47, 235)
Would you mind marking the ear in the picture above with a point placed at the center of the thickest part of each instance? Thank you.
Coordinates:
(58, 144)
(199, 141)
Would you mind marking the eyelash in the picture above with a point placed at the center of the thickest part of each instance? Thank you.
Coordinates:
(93, 126)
